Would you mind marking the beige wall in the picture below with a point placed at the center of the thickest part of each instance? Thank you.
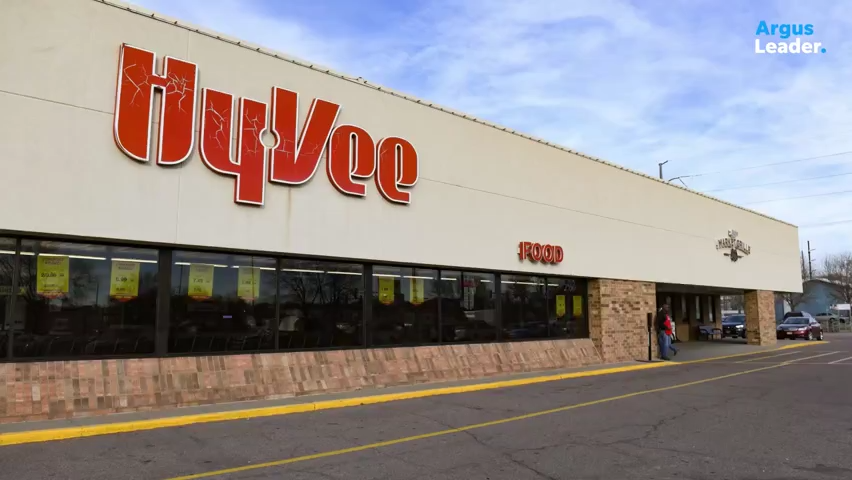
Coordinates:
(480, 191)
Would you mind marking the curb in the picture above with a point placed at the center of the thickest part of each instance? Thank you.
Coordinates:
(48, 435)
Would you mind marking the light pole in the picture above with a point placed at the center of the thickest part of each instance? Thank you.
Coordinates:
(810, 263)
(661, 168)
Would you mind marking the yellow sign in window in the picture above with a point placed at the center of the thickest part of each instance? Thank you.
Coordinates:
(52, 274)
(248, 283)
(124, 280)
(386, 290)
(200, 281)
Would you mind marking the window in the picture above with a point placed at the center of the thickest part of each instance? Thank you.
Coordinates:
(221, 303)
(7, 265)
(525, 312)
(698, 309)
(566, 300)
(405, 306)
(78, 299)
(321, 305)
(467, 307)
(711, 314)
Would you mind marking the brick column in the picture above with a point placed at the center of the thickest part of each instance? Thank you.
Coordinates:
(760, 317)
(618, 318)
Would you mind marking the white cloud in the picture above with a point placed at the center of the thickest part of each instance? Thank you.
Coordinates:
(633, 83)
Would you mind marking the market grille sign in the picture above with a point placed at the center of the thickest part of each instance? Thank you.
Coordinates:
(736, 248)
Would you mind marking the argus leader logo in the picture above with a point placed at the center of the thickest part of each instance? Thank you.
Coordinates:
(352, 155)
(784, 31)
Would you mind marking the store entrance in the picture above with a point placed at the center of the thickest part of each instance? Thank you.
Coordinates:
(695, 311)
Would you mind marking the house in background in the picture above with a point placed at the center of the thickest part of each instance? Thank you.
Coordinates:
(818, 295)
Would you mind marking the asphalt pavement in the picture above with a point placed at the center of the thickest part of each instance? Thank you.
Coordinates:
(769, 416)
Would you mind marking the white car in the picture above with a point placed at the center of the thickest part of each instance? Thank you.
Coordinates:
(826, 317)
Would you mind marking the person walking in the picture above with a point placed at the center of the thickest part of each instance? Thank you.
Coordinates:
(669, 327)
(663, 339)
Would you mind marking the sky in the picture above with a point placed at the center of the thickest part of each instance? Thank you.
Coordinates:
(633, 82)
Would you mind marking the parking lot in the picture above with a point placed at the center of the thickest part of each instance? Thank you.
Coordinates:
(772, 415)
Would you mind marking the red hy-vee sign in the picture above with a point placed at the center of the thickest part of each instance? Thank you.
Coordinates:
(352, 156)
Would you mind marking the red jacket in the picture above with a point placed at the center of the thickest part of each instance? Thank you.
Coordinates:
(668, 325)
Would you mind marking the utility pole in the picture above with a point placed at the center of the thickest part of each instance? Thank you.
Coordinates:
(810, 263)
(661, 168)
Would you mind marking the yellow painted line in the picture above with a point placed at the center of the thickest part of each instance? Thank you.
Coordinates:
(466, 428)
(758, 359)
(67, 433)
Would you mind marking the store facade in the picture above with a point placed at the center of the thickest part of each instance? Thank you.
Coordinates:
(203, 220)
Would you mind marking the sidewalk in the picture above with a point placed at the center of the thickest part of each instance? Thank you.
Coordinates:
(50, 430)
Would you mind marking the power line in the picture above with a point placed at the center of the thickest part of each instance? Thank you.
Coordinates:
(826, 135)
(785, 162)
(778, 183)
(802, 196)
(825, 224)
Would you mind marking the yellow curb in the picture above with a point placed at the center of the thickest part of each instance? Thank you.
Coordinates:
(47, 435)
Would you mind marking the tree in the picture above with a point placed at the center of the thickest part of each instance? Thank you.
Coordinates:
(837, 269)
(796, 299)
(733, 302)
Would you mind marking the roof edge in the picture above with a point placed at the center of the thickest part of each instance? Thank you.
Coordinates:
(360, 81)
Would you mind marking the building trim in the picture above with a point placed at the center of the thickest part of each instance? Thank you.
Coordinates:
(360, 81)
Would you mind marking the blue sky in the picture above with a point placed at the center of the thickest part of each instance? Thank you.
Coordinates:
(633, 82)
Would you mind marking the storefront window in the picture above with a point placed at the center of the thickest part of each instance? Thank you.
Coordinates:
(697, 302)
(321, 305)
(405, 306)
(467, 307)
(710, 310)
(79, 300)
(7, 263)
(566, 300)
(221, 303)
(525, 312)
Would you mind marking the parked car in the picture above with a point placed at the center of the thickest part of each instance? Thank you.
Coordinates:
(798, 314)
(807, 328)
(826, 317)
(734, 326)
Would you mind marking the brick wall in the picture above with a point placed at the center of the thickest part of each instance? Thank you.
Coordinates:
(618, 318)
(760, 317)
(67, 389)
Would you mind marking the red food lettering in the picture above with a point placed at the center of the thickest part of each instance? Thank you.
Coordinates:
(536, 252)
(548, 253)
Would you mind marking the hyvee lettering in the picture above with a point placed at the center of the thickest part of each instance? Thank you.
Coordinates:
(784, 31)
(352, 155)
